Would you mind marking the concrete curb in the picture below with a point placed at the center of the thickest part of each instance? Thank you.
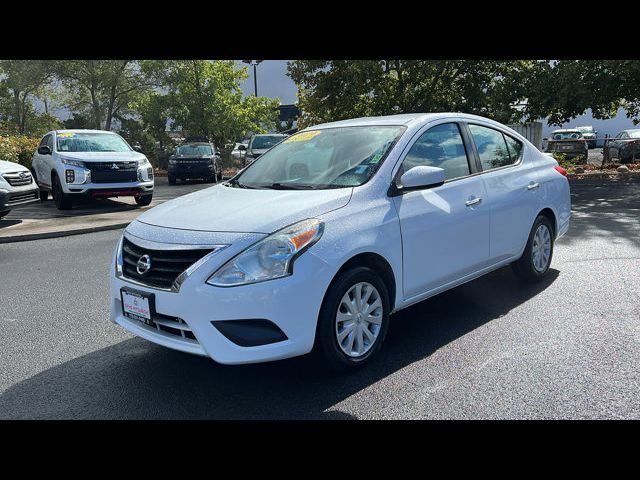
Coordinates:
(62, 233)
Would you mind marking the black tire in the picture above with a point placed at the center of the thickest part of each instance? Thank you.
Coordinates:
(144, 200)
(172, 180)
(524, 267)
(2, 214)
(63, 200)
(326, 348)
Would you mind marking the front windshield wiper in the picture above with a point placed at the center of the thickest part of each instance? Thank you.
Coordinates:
(286, 186)
(235, 183)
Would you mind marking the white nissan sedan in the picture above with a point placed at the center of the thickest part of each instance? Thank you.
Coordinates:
(316, 243)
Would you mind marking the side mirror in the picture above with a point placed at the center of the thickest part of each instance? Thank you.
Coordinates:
(137, 147)
(418, 178)
(44, 150)
(242, 147)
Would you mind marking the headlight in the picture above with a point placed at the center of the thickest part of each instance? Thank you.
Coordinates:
(75, 163)
(270, 258)
(172, 161)
(144, 163)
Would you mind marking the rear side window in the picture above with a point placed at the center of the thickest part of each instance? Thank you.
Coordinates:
(440, 146)
(495, 149)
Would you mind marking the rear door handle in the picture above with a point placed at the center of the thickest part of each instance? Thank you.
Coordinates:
(472, 202)
(532, 186)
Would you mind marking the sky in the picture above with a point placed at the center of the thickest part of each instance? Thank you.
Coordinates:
(273, 82)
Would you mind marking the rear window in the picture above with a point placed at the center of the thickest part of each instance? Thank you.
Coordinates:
(567, 135)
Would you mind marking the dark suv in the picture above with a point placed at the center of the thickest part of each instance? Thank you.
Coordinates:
(195, 160)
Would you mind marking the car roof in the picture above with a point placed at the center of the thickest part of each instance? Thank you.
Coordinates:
(566, 130)
(270, 135)
(403, 119)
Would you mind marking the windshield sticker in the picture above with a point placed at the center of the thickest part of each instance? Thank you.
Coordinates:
(376, 158)
(66, 135)
(303, 137)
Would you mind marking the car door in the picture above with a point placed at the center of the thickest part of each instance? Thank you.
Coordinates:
(513, 189)
(445, 229)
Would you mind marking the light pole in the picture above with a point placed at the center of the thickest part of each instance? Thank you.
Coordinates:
(255, 63)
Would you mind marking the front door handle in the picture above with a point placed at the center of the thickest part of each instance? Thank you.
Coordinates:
(472, 202)
(532, 186)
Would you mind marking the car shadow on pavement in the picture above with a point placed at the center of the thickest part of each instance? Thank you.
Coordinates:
(81, 207)
(136, 379)
(9, 223)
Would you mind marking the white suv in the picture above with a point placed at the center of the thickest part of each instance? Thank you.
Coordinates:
(16, 186)
(90, 163)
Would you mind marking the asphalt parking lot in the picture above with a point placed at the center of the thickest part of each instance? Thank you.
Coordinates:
(493, 348)
(47, 210)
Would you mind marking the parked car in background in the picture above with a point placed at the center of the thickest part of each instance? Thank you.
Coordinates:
(92, 164)
(589, 134)
(259, 144)
(16, 186)
(625, 146)
(195, 160)
(238, 152)
(569, 142)
(383, 213)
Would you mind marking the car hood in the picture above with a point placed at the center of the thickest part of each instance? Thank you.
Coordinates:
(228, 209)
(102, 156)
(11, 167)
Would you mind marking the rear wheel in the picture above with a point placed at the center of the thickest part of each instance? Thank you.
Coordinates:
(353, 320)
(144, 200)
(536, 259)
(63, 200)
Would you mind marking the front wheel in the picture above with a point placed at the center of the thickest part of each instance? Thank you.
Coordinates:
(353, 319)
(144, 200)
(536, 259)
(63, 200)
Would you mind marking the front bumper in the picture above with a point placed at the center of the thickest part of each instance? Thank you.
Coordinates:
(18, 196)
(191, 171)
(291, 303)
(119, 189)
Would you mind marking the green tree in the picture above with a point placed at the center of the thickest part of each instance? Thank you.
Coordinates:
(336, 89)
(204, 99)
(22, 81)
(103, 89)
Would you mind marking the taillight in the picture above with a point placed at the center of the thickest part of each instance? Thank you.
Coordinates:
(561, 170)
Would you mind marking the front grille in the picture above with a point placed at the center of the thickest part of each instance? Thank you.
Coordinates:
(113, 172)
(166, 265)
(193, 162)
(16, 198)
(173, 326)
(17, 179)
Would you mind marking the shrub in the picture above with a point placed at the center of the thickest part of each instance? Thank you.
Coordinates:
(18, 148)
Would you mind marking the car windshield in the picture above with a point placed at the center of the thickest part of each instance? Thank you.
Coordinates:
(634, 133)
(91, 142)
(567, 135)
(266, 141)
(318, 159)
(195, 150)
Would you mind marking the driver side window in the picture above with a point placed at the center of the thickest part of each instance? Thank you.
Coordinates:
(440, 146)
